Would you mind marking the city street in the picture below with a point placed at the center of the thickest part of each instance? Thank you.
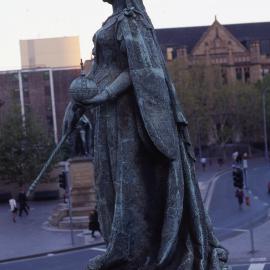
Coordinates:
(224, 209)
(67, 261)
(251, 266)
(28, 236)
(78, 260)
(220, 200)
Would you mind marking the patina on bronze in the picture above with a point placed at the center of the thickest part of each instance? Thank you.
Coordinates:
(150, 208)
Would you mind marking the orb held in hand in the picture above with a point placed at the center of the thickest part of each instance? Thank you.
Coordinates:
(82, 88)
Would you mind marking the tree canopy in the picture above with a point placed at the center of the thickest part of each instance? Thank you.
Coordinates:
(24, 147)
(218, 113)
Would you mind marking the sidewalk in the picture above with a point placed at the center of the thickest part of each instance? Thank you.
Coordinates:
(27, 237)
(240, 245)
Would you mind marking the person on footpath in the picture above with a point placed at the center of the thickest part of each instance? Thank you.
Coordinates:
(23, 206)
(93, 223)
(13, 208)
(239, 158)
(203, 161)
(234, 156)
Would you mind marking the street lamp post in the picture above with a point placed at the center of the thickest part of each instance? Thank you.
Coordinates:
(266, 153)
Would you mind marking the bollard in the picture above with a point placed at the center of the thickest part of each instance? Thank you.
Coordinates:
(252, 240)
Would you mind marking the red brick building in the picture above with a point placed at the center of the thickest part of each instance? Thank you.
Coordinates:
(44, 92)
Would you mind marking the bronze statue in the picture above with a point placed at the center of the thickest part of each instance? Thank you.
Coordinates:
(150, 208)
(80, 139)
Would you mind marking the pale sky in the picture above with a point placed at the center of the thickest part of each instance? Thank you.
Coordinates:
(27, 19)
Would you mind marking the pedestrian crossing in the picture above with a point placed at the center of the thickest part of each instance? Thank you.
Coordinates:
(253, 266)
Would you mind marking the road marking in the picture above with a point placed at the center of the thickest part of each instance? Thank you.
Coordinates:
(257, 266)
(258, 260)
(212, 189)
(50, 254)
(99, 249)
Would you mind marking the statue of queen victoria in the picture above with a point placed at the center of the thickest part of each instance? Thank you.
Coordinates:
(150, 208)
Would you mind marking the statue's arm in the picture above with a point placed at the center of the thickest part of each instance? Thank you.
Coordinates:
(119, 85)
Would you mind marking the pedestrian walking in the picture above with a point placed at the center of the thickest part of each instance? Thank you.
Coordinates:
(239, 194)
(247, 200)
(203, 161)
(13, 208)
(93, 223)
(23, 206)
(235, 155)
(239, 158)
(245, 169)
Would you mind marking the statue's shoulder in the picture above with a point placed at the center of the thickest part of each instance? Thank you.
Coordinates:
(133, 17)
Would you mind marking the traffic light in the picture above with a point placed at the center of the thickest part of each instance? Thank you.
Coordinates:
(63, 180)
(238, 179)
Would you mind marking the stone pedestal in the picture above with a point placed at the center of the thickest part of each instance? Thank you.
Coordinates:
(81, 173)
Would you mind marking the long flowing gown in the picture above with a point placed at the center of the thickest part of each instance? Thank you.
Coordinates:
(150, 208)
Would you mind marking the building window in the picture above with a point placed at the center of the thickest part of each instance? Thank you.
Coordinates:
(224, 76)
(46, 76)
(50, 120)
(27, 108)
(25, 92)
(16, 93)
(14, 77)
(47, 90)
(247, 74)
(238, 72)
(25, 77)
(169, 54)
(265, 71)
(265, 47)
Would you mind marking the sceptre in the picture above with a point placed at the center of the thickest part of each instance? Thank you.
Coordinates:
(47, 164)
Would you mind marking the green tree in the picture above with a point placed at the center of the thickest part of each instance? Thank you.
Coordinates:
(218, 113)
(24, 148)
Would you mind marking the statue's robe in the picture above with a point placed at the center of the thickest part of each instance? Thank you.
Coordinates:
(151, 212)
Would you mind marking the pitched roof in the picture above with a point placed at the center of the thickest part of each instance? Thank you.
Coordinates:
(189, 36)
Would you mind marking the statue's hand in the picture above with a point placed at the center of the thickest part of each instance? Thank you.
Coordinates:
(98, 99)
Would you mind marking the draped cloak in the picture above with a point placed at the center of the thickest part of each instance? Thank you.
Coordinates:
(187, 241)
